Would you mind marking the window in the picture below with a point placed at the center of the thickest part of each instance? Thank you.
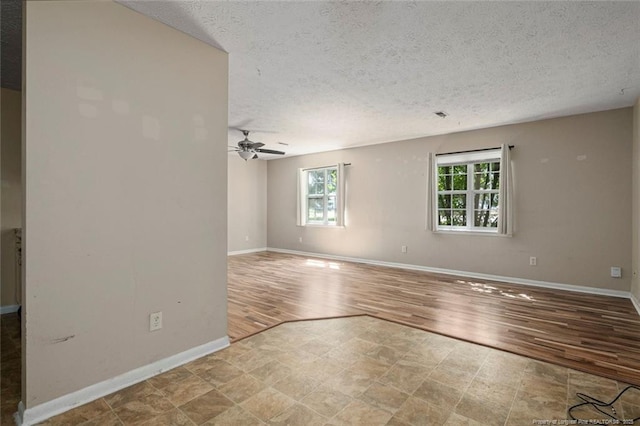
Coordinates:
(469, 194)
(321, 196)
(322, 187)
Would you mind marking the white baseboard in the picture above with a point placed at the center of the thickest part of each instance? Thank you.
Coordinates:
(9, 309)
(253, 250)
(64, 403)
(534, 283)
(635, 302)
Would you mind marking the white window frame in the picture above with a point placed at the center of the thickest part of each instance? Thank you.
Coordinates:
(325, 196)
(304, 197)
(468, 159)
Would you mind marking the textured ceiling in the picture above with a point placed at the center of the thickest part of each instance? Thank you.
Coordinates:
(326, 75)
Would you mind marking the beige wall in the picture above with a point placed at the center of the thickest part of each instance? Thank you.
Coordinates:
(572, 204)
(11, 106)
(125, 187)
(247, 197)
(635, 251)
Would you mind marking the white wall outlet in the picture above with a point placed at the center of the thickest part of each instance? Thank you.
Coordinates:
(246, 238)
(403, 249)
(155, 321)
(300, 239)
(616, 272)
(533, 261)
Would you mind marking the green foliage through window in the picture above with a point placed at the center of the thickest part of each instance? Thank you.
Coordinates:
(468, 192)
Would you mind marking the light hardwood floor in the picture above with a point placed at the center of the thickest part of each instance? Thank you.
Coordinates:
(596, 334)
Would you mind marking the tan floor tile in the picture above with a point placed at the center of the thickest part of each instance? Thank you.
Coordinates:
(271, 372)
(174, 417)
(629, 396)
(360, 413)
(235, 350)
(350, 383)
(534, 385)
(298, 414)
(406, 376)
(439, 394)
(326, 401)
(492, 390)
(172, 376)
(143, 408)
(219, 372)
(531, 405)
(369, 367)
(206, 407)
(456, 419)
(484, 410)
(320, 369)
(106, 419)
(417, 412)
(384, 397)
(548, 372)
(251, 360)
(242, 387)
(131, 393)
(296, 385)
(181, 392)
(267, 403)
(427, 355)
(385, 354)
(397, 422)
(81, 414)
(452, 376)
(316, 347)
(234, 416)
(630, 411)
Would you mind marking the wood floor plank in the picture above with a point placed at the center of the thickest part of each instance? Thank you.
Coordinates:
(592, 333)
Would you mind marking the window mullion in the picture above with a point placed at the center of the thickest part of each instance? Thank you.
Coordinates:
(469, 195)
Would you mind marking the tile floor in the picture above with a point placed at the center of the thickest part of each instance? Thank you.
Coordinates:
(353, 371)
(10, 367)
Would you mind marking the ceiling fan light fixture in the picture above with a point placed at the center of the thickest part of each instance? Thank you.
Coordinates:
(245, 155)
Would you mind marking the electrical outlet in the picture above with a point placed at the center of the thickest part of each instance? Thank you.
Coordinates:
(533, 261)
(246, 238)
(403, 249)
(155, 321)
(300, 239)
(616, 272)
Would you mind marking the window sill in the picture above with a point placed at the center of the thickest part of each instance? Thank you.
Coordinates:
(318, 225)
(474, 233)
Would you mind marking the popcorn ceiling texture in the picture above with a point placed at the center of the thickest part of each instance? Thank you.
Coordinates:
(328, 75)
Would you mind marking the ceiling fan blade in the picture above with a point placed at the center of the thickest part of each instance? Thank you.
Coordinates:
(233, 150)
(269, 151)
(256, 145)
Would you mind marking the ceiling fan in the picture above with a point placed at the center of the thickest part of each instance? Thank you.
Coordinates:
(247, 149)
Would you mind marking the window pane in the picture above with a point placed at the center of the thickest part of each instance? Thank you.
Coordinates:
(331, 209)
(494, 201)
(459, 201)
(460, 170)
(444, 201)
(481, 181)
(486, 218)
(460, 182)
(315, 209)
(332, 181)
(316, 182)
(444, 170)
(495, 167)
(495, 180)
(444, 217)
(444, 183)
(481, 167)
(459, 218)
(482, 201)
